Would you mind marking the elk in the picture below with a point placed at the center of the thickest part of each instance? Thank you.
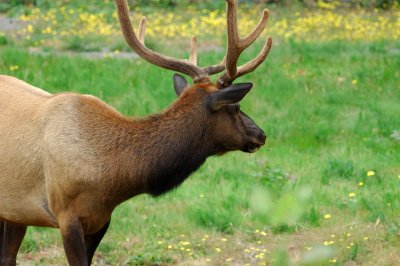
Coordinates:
(67, 160)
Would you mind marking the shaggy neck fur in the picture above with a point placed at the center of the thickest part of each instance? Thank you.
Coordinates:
(156, 154)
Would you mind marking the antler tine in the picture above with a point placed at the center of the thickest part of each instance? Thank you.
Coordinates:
(253, 64)
(193, 51)
(189, 68)
(142, 30)
(251, 37)
(237, 45)
(216, 68)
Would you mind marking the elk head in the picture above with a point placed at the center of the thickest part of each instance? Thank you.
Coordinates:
(231, 127)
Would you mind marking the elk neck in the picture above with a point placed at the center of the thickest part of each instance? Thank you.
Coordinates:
(156, 154)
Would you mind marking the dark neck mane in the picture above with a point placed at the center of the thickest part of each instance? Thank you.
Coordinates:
(163, 152)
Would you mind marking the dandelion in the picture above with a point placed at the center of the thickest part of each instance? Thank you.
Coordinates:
(327, 216)
(360, 184)
(29, 28)
(14, 67)
(332, 261)
(228, 259)
(218, 250)
(366, 238)
(169, 246)
(263, 233)
(201, 195)
(370, 173)
(354, 82)
(333, 235)
(352, 195)
(348, 234)
(223, 239)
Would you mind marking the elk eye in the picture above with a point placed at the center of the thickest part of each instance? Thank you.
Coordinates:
(237, 108)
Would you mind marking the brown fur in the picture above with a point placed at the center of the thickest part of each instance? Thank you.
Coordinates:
(67, 160)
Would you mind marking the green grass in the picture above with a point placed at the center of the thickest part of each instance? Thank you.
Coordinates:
(330, 110)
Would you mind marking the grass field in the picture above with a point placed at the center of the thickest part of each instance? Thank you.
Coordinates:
(325, 190)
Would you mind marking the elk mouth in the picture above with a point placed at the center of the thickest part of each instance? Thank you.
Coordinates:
(252, 148)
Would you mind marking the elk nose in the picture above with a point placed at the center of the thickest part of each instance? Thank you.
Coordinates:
(262, 138)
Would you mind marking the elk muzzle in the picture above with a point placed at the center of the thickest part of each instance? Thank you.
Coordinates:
(255, 136)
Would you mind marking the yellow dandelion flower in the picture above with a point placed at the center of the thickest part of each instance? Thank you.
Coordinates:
(332, 261)
(327, 216)
(366, 238)
(14, 67)
(169, 246)
(352, 195)
(348, 234)
(360, 184)
(218, 250)
(29, 28)
(370, 173)
(224, 239)
(354, 81)
(228, 259)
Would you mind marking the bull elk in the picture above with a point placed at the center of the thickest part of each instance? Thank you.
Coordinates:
(67, 160)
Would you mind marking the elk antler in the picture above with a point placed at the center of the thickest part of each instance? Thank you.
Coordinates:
(190, 67)
(236, 45)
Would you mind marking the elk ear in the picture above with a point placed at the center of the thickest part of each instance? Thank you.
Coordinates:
(230, 95)
(180, 84)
